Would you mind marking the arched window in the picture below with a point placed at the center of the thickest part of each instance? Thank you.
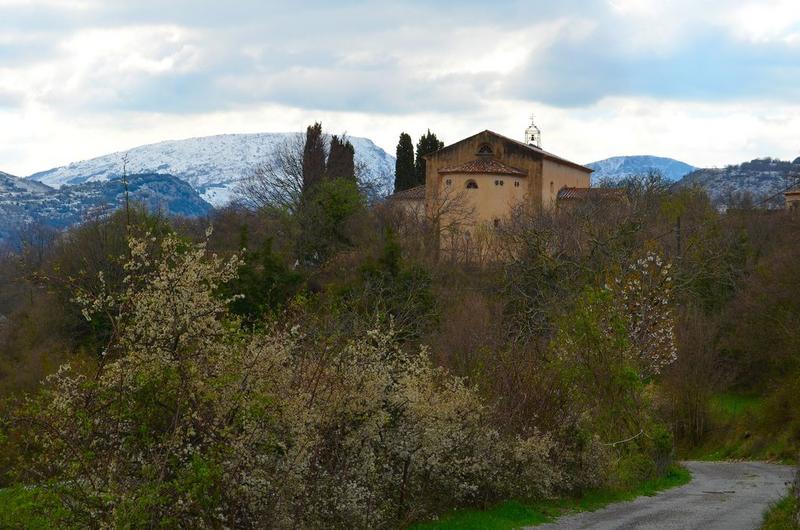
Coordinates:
(472, 185)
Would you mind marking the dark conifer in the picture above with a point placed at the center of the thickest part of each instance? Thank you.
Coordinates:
(404, 172)
(313, 157)
(427, 144)
(341, 159)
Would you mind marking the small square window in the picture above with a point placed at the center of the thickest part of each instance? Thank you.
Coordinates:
(448, 181)
(501, 182)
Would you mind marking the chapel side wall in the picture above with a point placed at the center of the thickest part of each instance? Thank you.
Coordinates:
(556, 176)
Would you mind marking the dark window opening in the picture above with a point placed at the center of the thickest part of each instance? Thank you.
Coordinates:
(485, 149)
(472, 185)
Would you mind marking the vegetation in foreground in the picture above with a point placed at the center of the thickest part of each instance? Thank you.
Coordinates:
(784, 514)
(318, 361)
(515, 514)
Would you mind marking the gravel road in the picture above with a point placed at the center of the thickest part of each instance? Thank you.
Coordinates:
(721, 495)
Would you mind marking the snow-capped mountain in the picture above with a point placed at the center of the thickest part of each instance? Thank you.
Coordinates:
(614, 169)
(212, 165)
(761, 181)
(26, 202)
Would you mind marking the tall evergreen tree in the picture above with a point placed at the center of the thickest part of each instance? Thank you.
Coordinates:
(428, 143)
(404, 172)
(313, 157)
(341, 159)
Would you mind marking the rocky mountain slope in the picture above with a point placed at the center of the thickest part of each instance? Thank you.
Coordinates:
(760, 181)
(25, 202)
(612, 170)
(212, 165)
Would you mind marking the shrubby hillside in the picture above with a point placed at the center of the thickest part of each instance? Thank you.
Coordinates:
(760, 180)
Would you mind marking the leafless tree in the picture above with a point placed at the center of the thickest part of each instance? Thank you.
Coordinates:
(278, 180)
(434, 224)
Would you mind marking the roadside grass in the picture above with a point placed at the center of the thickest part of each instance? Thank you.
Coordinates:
(29, 509)
(741, 427)
(515, 514)
(782, 514)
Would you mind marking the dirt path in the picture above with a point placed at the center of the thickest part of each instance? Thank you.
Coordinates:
(721, 495)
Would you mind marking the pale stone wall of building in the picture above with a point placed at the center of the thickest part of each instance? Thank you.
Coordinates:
(792, 200)
(494, 197)
(556, 176)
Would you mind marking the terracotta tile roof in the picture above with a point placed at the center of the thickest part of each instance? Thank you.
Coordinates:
(485, 164)
(411, 194)
(583, 194)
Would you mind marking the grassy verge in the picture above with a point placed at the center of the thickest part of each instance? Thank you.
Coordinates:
(28, 509)
(741, 429)
(514, 514)
(781, 516)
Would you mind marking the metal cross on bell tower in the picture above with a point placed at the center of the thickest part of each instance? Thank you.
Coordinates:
(533, 136)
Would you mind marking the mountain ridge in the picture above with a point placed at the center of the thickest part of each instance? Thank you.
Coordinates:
(761, 181)
(212, 165)
(24, 203)
(616, 168)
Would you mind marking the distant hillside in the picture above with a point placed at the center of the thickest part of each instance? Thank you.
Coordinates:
(612, 170)
(25, 202)
(754, 181)
(212, 165)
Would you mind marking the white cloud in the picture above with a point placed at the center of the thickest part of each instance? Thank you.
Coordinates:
(94, 77)
(766, 22)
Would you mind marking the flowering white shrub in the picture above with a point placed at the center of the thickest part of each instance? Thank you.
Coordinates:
(189, 422)
(644, 289)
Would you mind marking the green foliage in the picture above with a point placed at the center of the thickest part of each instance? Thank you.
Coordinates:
(784, 514)
(31, 508)
(404, 173)
(428, 143)
(752, 427)
(387, 288)
(591, 361)
(323, 219)
(265, 282)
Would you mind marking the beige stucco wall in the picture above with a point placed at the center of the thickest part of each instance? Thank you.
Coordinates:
(556, 176)
(792, 200)
(490, 201)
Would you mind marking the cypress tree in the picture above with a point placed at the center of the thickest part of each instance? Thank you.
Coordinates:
(427, 144)
(341, 159)
(313, 157)
(404, 172)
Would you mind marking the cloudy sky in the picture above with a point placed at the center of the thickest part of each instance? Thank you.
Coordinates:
(710, 82)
